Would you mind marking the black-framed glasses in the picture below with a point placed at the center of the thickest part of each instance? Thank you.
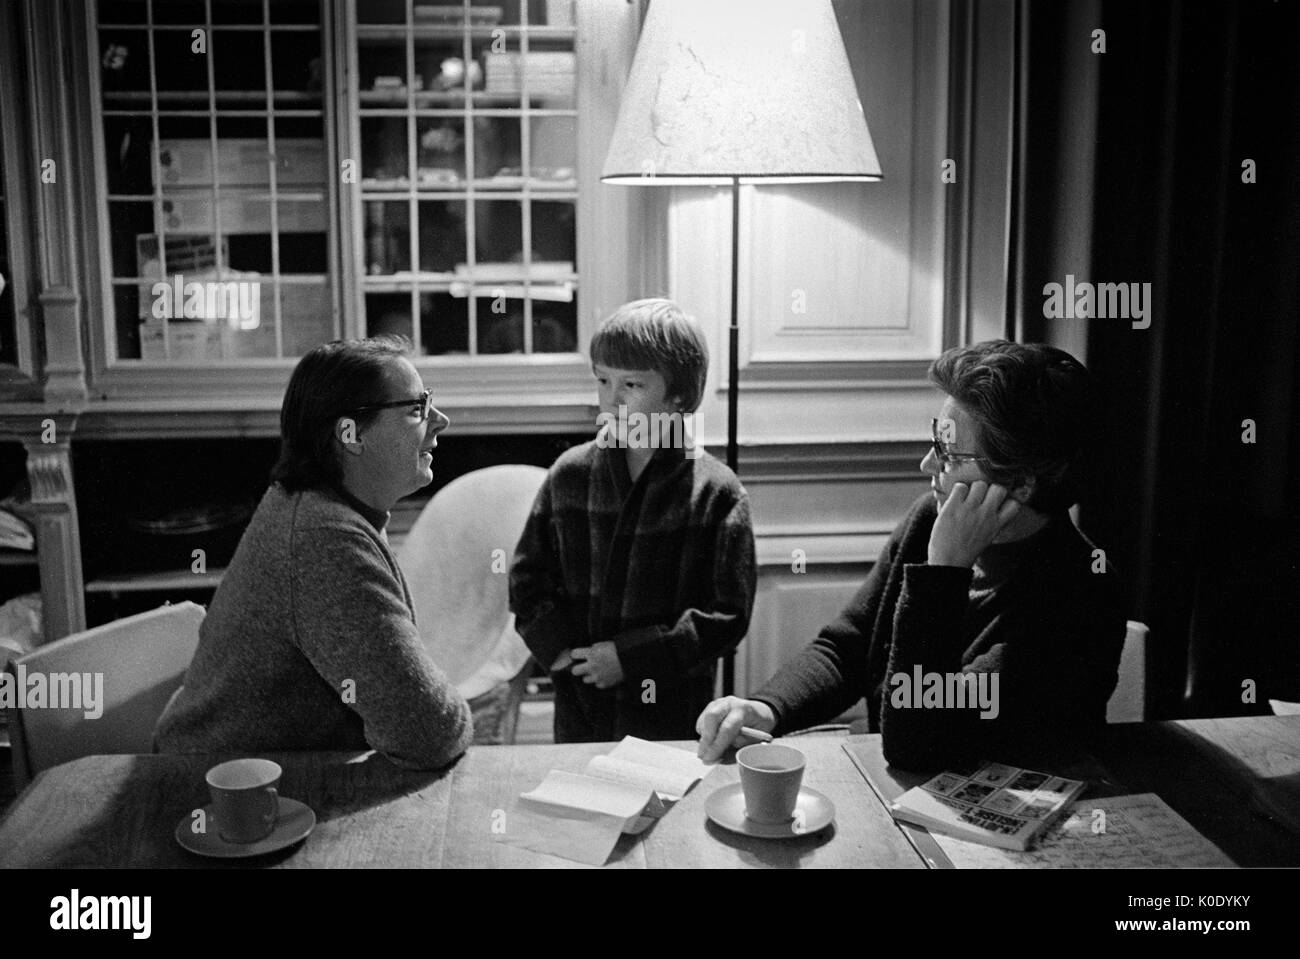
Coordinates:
(423, 402)
(946, 456)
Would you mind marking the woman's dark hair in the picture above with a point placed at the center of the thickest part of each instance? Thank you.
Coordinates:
(330, 381)
(1035, 408)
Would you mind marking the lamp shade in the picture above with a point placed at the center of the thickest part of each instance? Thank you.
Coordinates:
(754, 90)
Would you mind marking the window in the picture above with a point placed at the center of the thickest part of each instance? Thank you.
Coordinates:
(466, 132)
(216, 141)
(8, 323)
(17, 343)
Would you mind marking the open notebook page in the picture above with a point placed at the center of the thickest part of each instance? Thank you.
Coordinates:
(668, 770)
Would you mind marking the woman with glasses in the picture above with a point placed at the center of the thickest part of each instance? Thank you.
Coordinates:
(311, 642)
(989, 625)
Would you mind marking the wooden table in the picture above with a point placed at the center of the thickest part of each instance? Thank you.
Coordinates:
(1236, 780)
(123, 810)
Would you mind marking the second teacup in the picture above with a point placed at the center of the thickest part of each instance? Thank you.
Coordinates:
(770, 776)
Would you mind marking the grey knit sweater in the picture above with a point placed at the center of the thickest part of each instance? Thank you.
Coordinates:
(311, 644)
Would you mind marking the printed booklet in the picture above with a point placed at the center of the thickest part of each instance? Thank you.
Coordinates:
(996, 804)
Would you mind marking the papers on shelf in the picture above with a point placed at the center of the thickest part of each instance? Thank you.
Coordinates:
(580, 816)
(538, 271)
(15, 533)
(546, 281)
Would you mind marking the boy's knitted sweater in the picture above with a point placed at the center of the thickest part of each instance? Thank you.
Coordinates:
(663, 567)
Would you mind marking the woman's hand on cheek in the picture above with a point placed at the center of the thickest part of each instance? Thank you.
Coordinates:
(969, 521)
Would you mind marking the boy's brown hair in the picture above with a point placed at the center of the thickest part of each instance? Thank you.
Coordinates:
(654, 334)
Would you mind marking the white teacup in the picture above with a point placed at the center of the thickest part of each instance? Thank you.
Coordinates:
(770, 776)
(245, 800)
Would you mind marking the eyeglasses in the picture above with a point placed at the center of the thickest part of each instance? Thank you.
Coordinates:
(946, 456)
(423, 402)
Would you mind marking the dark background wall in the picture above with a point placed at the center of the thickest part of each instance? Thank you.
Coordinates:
(1201, 525)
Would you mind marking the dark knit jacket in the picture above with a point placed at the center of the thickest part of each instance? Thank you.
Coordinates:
(311, 643)
(663, 568)
(1050, 627)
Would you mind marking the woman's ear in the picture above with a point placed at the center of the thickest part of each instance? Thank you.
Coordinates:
(1023, 489)
(347, 433)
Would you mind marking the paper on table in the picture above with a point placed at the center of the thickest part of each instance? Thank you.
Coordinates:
(581, 817)
(620, 800)
(671, 770)
(1141, 831)
(578, 817)
(665, 785)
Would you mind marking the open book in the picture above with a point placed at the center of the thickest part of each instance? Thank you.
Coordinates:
(997, 805)
(637, 781)
(581, 815)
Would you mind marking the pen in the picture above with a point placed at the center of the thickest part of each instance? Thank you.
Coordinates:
(758, 734)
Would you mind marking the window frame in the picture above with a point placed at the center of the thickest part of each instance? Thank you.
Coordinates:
(21, 379)
(500, 393)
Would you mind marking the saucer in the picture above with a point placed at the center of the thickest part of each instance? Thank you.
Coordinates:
(726, 807)
(295, 823)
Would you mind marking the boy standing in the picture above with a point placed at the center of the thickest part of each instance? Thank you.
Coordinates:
(635, 571)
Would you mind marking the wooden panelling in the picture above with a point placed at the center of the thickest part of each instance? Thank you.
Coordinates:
(789, 610)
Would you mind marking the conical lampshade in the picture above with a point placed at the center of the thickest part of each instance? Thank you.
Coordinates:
(758, 90)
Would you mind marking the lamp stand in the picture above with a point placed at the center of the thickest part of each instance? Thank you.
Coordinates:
(733, 388)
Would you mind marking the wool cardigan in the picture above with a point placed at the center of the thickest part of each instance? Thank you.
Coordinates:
(311, 644)
(1042, 613)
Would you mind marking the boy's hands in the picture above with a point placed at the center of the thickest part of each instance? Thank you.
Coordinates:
(598, 664)
(562, 661)
(969, 521)
(719, 724)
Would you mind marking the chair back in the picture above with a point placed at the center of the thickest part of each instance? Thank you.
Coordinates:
(1127, 703)
(122, 674)
(456, 560)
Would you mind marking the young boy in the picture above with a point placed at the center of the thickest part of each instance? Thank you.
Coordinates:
(635, 571)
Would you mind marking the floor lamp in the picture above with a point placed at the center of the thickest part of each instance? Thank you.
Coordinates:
(731, 92)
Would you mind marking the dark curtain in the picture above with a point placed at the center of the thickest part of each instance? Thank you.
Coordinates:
(1201, 525)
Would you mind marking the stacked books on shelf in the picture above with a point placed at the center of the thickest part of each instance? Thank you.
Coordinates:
(550, 73)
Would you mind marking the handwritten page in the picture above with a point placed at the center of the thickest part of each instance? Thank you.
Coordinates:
(619, 800)
(667, 788)
(578, 817)
(581, 815)
(1117, 832)
(672, 771)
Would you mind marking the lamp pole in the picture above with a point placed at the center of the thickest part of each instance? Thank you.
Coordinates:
(733, 387)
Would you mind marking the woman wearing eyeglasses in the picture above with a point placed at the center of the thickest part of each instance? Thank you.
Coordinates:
(986, 583)
(311, 642)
